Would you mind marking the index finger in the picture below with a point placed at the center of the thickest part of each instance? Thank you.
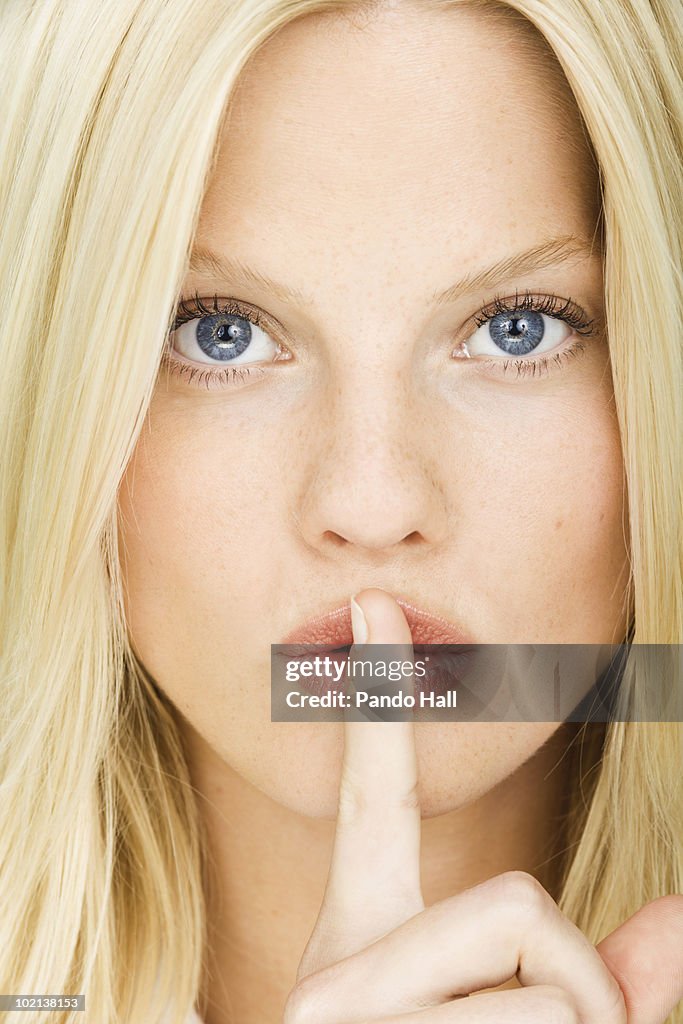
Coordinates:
(374, 879)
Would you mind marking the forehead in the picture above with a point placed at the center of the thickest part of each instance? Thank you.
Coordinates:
(417, 135)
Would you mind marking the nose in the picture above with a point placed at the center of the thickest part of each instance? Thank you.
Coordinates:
(371, 480)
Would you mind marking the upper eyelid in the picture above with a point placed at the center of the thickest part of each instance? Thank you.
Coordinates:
(201, 310)
(526, 299)
(552, 304)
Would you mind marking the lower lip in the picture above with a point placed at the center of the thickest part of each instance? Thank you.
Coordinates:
(446, 665)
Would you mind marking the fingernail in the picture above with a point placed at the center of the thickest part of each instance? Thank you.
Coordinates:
(359, 623)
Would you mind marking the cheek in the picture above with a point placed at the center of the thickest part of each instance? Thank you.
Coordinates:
(196, 526)
(546, 523)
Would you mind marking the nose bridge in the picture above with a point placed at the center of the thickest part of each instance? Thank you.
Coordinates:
(371, 412)
(368, 416)
(370, 480)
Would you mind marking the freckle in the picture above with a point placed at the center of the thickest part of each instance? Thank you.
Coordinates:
(558, 524)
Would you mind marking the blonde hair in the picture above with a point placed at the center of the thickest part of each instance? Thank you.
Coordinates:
(111, 117)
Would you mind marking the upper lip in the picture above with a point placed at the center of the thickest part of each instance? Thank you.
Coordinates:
(333, 628)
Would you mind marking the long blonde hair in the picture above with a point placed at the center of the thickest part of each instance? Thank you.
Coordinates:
(108, 137)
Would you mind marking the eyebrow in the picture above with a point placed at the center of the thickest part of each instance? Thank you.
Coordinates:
(549, 253)
(230, 269)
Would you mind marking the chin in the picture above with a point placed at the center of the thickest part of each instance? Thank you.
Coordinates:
(457, 763)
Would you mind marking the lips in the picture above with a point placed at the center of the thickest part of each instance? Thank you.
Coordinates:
(333, 629)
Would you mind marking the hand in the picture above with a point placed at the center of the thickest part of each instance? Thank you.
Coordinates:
(378, 955)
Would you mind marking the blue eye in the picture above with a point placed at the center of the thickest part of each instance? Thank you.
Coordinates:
(223, 337)
(517, 333)
(222, 334)
(525, 325)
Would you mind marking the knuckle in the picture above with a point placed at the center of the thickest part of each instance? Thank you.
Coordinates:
(352, 800)
(357, 800)
(304, 1003)
(522, 892)
(514, 898)
(616, 1013)
(553, 1005)
(411, 800)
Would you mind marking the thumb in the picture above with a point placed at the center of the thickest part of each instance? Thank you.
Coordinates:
(645, 955)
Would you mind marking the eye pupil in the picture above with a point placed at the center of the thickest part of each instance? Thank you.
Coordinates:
(225, 331)
(514, 326)
(517, 333)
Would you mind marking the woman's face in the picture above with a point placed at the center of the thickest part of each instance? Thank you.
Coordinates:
(395, 178)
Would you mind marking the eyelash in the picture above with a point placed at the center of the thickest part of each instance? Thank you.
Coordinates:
(552, 305)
